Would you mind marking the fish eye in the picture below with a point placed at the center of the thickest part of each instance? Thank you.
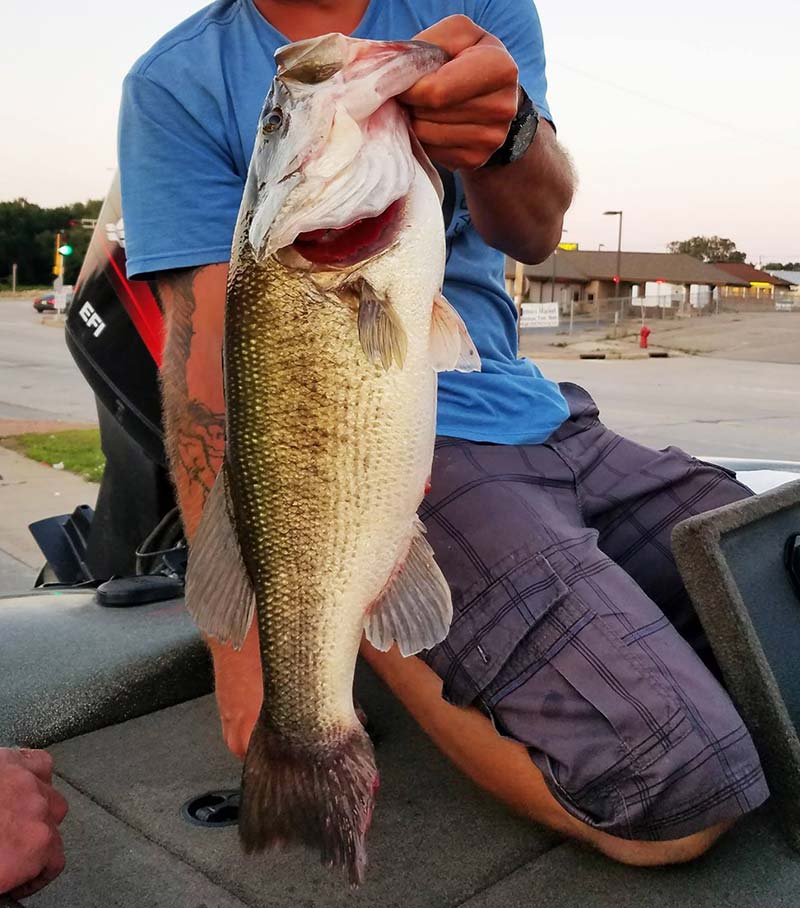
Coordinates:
(273, 120)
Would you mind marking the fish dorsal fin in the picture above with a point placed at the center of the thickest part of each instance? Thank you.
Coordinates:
(382, 336)
(451, 347)
(415, 608)
(219, 595)
(329, 51)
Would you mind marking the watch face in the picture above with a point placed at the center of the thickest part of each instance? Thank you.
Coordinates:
(524, 137)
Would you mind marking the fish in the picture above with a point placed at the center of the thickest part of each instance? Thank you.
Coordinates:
(335, 329)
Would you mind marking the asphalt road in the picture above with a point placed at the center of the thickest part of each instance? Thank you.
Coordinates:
(716, 406)
(38, 379)
(705, 406)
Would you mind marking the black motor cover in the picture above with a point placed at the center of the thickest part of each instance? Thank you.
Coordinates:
(114, 331)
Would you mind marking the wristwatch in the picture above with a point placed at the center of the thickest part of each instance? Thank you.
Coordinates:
(521, 133)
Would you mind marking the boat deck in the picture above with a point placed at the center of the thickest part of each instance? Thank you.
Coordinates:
(436, 841)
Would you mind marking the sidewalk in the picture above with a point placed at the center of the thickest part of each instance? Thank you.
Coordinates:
(30, 491)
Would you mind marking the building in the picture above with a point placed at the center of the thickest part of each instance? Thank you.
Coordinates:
(761, 284)
(588, 278)
(791, 277)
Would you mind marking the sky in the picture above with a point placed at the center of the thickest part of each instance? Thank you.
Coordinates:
(684, 115)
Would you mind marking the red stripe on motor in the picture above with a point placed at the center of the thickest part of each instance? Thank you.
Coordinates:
(140, 305)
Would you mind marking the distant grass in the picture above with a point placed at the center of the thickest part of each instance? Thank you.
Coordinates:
(78, 449)
(23, 290)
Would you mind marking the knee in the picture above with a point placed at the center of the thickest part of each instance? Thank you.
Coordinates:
(661, 854)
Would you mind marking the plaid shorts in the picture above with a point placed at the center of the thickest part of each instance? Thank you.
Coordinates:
(572, 629)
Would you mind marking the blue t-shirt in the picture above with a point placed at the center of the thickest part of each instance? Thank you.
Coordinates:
(187, 125)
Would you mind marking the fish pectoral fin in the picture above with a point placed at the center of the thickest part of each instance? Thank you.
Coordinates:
(415, 609)
(382, 336)
(451, 347)
(219, 595)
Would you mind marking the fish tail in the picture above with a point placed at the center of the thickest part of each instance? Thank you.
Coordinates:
(321, 795)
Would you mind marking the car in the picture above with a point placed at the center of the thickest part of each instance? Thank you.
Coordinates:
(45, 303)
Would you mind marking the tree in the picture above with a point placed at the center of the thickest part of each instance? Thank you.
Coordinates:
(28, 239)
(777, 266)
(709, 249)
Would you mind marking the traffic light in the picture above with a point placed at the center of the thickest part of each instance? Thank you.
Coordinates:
(66, 249)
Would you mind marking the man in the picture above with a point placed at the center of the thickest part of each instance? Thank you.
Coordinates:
(552, 531)
(31, 810)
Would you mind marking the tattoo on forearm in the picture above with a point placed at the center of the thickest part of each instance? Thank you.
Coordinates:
(199, 445)
(194, 434)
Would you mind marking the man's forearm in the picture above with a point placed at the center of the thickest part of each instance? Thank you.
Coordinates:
(191, 382)
(193, 401)
(520, 208)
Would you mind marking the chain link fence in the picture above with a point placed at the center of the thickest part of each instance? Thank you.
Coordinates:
(624, 313)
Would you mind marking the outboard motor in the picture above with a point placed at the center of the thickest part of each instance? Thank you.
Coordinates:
(114, 331)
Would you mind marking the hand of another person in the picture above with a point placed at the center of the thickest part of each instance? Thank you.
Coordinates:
(462, 112)
(31, 850)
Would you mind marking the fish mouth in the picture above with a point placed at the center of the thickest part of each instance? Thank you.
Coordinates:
(354, 243)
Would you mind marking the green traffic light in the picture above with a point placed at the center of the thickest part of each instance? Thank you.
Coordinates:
(66, 249)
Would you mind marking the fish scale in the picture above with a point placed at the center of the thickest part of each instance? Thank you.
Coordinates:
(298, 504)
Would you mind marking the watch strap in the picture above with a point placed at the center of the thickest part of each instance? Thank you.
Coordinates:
(521, 133)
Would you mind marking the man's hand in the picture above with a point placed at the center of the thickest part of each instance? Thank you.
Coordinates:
(461, 115)
(31, 850)
(462, 112)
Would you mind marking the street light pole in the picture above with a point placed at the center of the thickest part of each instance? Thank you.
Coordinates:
(553, 278)
(619, 247)
(619, 251)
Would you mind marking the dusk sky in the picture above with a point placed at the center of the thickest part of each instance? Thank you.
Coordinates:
(685, 115)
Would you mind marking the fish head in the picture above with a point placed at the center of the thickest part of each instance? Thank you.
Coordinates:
(334, 157)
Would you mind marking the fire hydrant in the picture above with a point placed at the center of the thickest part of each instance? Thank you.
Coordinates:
(643, 335)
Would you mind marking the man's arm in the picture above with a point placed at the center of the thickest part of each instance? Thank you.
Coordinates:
(520, 208)
(193, 300)
(462, 113)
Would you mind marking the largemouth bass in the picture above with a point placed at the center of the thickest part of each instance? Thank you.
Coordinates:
(335, 328)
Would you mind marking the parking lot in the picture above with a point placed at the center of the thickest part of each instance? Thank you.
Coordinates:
(38, 379)
(707, 405)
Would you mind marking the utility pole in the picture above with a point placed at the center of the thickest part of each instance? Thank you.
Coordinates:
(519, 289)
(62, 251)
(553, 277)
(618, 278)
(56, 257)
